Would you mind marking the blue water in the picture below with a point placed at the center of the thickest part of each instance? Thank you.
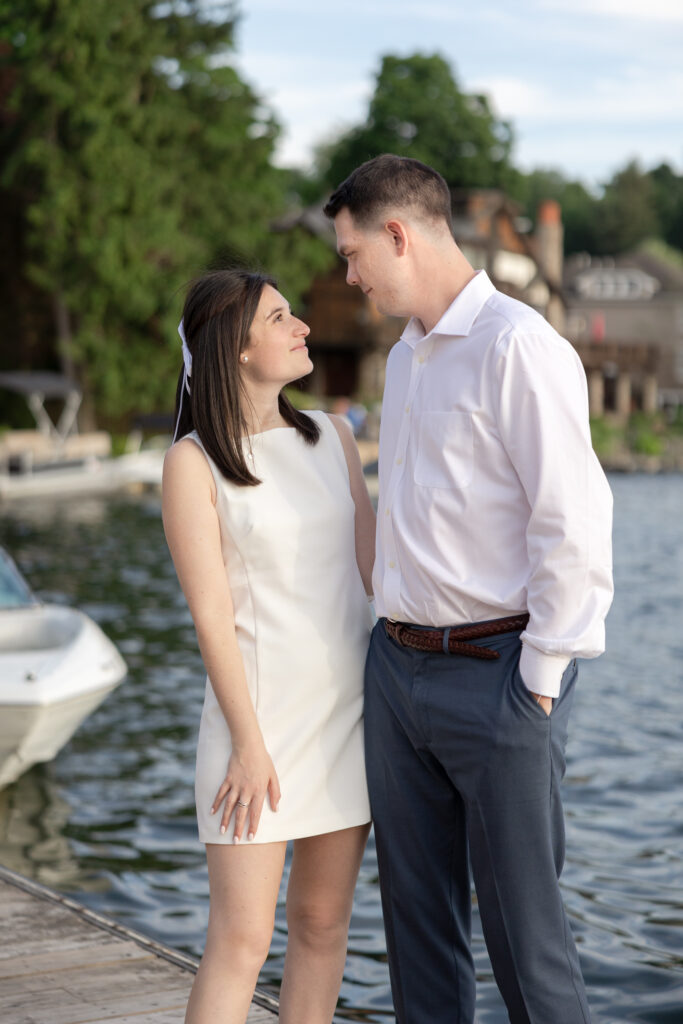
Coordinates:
(111, 819)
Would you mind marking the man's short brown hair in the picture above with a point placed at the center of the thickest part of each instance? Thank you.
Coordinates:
(391, 182)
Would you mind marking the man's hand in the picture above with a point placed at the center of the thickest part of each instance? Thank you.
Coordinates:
(545, 702)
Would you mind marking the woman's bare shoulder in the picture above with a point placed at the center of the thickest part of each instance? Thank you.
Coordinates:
(342, 426)
(186, 463)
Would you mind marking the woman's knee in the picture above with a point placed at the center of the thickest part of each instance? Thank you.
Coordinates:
(241, 939)
(320, 926)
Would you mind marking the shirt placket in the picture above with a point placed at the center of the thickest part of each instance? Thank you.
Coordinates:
(392, 568)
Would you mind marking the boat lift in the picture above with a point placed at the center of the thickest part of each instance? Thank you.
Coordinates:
(56, 458)
(37, 388)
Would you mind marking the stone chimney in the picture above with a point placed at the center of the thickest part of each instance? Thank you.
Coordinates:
(549, 253)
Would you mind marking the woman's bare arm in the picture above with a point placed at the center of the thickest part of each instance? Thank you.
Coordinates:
(365, 513)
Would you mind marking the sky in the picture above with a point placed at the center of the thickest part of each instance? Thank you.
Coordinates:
(587, 84)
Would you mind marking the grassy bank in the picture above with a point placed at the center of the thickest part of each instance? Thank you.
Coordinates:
(649, 442)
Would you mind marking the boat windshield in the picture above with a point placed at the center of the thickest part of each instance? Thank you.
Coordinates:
(14, 590)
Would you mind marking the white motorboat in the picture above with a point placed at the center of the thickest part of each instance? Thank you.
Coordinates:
(56, 667)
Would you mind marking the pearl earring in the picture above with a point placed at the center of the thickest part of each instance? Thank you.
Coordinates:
(245, 359)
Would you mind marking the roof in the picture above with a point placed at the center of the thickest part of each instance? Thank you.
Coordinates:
(473, 208)
(311, 219)
(49, 385)
(645, 271)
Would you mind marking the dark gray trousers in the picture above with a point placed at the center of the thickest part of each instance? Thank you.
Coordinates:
(464, 768)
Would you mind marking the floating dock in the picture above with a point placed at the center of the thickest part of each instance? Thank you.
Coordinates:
(61, 963)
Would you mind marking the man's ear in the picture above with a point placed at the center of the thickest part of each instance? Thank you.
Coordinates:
(398, 236)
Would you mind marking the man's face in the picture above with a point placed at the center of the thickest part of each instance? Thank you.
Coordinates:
(372, 261)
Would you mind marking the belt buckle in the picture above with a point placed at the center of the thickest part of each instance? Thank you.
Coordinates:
(397, 629)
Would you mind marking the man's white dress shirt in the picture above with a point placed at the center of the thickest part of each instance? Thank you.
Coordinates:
(491, 499)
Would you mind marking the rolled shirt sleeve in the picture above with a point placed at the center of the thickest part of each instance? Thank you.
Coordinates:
(543, 422)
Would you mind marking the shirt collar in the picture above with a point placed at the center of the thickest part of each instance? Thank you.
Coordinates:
(458, 319)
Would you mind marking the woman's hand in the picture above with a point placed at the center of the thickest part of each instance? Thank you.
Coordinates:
(250, 775)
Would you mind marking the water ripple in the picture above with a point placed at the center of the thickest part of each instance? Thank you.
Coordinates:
(112, 818)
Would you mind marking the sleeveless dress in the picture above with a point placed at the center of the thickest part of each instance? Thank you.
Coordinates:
(303, 625)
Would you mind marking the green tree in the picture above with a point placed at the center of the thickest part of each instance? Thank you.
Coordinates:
(134, 155)
(419, 110)
(634, 206)
(626, 214)
(668, 200)
(577, 203)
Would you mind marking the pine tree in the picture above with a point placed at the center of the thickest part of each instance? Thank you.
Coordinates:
(419, 110)
(133, 156)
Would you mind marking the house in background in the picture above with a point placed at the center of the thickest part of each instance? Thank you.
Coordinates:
(625, 317)
(350, 340)
(494, 238)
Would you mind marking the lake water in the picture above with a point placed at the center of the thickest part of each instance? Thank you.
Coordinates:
(111, 819)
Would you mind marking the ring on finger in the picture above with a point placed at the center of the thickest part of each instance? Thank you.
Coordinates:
(240, 804)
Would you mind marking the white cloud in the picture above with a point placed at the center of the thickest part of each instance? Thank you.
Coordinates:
(313, 97)
(642, 10)
(314, 8)
(445, 12)
(589, 82)
(594, 156)
(624, 99)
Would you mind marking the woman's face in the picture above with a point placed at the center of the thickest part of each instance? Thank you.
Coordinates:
(276, 351)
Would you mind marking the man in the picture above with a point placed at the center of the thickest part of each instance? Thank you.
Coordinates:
(492, 510)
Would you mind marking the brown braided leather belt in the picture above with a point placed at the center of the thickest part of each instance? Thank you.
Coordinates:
(453, 639)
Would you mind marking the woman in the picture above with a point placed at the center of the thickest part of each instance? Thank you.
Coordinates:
(272, 535)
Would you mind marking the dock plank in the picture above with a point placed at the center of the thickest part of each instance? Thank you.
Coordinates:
(61, 1006)
(61, 963)
(62, 959)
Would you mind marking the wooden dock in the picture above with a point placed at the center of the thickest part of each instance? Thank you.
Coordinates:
(61, 963)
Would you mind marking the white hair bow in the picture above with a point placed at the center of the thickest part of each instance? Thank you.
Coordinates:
(187, 355)
(187, 373)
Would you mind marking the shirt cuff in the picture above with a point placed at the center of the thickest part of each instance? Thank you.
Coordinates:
(542, 673)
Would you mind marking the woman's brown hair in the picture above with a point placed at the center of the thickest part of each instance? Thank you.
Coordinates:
(219, 310)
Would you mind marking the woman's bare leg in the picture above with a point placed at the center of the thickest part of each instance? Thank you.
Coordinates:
(319, 900)
(243, 882)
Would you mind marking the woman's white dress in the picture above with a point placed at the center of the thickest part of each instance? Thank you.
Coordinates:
(303, 625)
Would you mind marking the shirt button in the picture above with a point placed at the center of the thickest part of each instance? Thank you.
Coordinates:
(407, 408)
(386, 511)
(421, 359)
(399, 461)
(392, 565)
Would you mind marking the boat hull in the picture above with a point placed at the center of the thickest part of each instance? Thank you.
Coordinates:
(30, 734)
(92, 476)
(56, 667)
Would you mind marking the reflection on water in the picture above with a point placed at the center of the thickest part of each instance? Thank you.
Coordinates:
(33, 814)
(112, 818)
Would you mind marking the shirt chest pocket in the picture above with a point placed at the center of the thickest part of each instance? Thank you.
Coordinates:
(445, 450)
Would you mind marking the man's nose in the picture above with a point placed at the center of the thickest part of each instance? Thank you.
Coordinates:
(351, 275)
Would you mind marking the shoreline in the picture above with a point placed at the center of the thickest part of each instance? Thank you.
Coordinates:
(631, 462)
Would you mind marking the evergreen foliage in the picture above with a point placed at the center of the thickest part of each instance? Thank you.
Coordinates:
(134, 156)
(632, 207)
(419, 110)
